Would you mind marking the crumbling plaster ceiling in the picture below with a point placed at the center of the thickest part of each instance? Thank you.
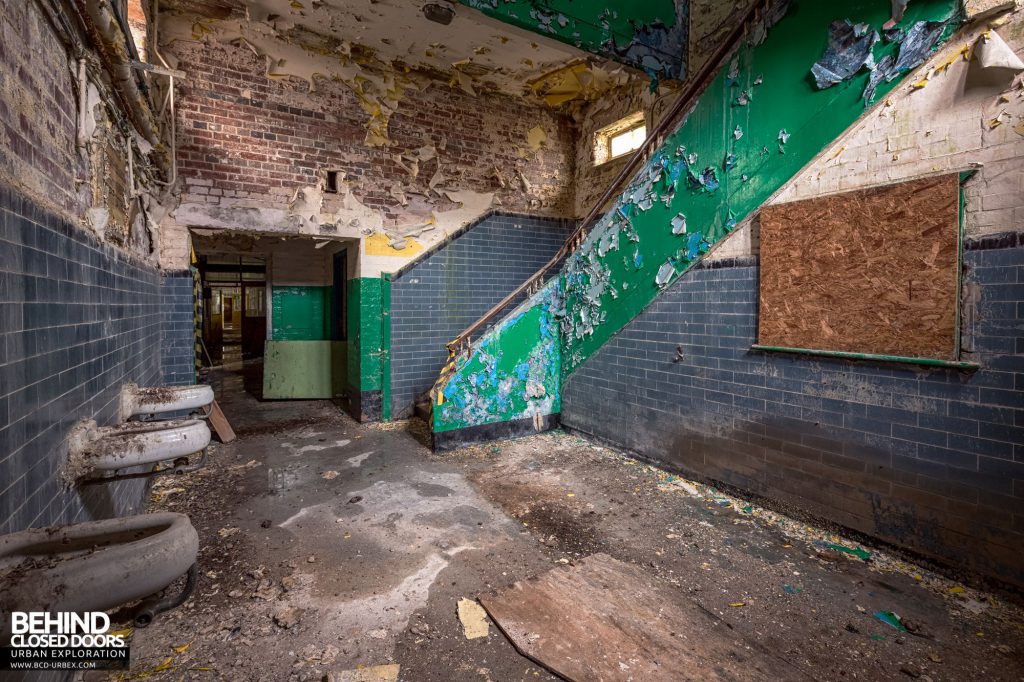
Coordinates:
(239, 243)
(474, 51)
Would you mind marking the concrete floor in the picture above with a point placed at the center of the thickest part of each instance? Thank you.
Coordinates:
(328, 545)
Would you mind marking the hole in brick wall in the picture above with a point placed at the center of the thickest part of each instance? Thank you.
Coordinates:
(331, 181)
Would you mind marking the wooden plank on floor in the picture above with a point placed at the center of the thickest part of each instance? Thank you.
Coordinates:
(220, 424)
(606, 620)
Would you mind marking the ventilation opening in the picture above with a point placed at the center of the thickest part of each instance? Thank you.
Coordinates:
(332, 181)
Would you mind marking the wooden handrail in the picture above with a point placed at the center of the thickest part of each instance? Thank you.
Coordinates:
(681, 105)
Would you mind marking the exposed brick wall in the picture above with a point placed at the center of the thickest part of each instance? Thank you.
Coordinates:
(932, 460)
(441, 295)
(248, 140)
(37, 110)
(77, 320)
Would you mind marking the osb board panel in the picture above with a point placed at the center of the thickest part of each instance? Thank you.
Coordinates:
(871, 271)
(606, 620)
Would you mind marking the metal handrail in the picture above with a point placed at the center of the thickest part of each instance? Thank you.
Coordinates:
(682, 105)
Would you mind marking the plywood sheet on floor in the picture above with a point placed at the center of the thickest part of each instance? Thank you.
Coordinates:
(871, 271)
(606, 620)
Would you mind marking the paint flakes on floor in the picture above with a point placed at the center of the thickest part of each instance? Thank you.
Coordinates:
(473, 619)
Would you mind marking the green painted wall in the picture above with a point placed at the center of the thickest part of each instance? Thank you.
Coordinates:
(612, 277)
(758, 124)
(297, 369)
(366, 317)
(513, 372)
(385, 345)
(300, 313)
(649, 35)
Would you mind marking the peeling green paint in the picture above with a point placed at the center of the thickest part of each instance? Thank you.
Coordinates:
(762, 115)
(766, 93)
(513, 371)
(650, 36)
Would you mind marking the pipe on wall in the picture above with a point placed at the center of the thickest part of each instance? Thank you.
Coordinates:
(83, 99)
(112, 47)
(155, 49)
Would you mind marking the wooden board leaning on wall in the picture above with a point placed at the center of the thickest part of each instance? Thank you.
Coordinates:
(873, 271)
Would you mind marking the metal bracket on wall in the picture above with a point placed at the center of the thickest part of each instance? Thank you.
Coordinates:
(180, 466)
(143, 66)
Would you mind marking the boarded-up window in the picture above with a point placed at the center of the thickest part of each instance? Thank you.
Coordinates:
(873, 271)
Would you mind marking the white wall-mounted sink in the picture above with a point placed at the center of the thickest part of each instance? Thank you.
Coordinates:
(107, 448)
(93, 566)
(160, 399)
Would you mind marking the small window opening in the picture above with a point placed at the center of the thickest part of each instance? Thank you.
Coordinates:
(620, 138)
(331, 182)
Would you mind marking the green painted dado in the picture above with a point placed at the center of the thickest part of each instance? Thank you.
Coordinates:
(297, 370)
(300, 313)
(757, 125)
(649, 35)
(513, 372)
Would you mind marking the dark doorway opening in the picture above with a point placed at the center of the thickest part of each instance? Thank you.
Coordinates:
(235, 307)
(339, 269)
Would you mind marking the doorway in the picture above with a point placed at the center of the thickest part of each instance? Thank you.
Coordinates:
(235, 310)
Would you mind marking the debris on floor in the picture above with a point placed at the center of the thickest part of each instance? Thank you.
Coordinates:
(603, 619)
(376, 673)
(220, 424)
(827, 543)
(399, 539)
(473, 619)
(890, 619)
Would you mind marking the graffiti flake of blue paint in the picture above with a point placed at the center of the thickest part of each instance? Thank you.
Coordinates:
(522, 370)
